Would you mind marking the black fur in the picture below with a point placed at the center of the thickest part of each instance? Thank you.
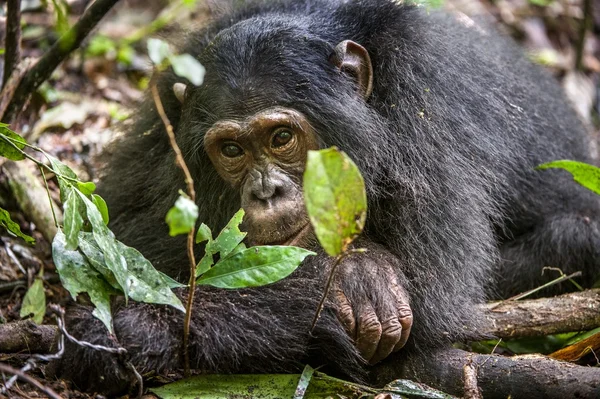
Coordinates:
(447, 143)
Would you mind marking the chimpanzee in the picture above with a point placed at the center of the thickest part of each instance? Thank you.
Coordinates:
(446, 122)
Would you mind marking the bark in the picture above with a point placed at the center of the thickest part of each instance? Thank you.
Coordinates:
(577, 311)
(26, 336)
(498, 377)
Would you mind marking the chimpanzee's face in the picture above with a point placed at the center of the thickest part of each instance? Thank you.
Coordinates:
(264, 156)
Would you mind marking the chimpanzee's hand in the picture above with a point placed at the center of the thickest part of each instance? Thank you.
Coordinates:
(372, 305)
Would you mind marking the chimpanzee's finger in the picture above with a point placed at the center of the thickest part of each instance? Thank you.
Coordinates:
(405, 317)
(391, 332)
(368, 331)
(345, 313)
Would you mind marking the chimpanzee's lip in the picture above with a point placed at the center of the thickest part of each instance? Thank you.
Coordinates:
(293, 239)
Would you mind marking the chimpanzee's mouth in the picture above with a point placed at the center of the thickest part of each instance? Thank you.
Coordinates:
(295, 238)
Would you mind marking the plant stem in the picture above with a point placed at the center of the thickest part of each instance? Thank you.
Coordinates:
(190, 239)
(12, 41)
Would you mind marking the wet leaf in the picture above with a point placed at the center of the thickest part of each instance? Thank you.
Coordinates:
(34, 302)
(586, 175)
(77, 276)
(335, 198)
(73, 220)
(13, 227)
(182, 217)
(254, 267)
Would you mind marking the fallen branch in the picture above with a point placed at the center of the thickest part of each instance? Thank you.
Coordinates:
(577, 311)
(4, 368)
(498, 377)
(68, 42)
(26, 336)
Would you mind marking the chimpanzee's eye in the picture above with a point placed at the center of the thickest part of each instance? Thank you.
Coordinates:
(281, 138)
(231, 150)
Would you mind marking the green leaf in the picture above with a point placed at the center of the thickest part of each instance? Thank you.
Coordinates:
(86, 187)
(8, 141)
(335, 198)
(73, 221)
(65, 176)
(10, 225)
(158, 51)
(586, 175)
(229, 237)
(205, 264)
(101, 205)
(182, 217)
(34, 302)
(254, 267)
(171, 282)
(77, 276)
(95, 257)
(105, 239)
(146, 284)
(275, 386)
(203, 234)
(188, 67)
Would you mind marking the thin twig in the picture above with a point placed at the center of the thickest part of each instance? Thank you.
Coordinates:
(64, 46)
(190, 239)
(29, 379)
(12, 41)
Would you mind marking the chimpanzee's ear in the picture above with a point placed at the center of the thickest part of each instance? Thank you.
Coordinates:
(353, 59)
(179, 90)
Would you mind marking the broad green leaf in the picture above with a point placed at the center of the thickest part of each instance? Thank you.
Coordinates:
(586, 175)
(95, 257)
(146, 284)
(276, 386)
(188, 67)
(86, 187)
(105, 239)
(8, 141)
(304, 381)
(34, 302)
(205, 264)
(77, 276)
(171, 282)
(229, 237)
(13, 227)
(73, 221)
(241, 246)
(182, 217)
(101, 205)
(335, 198)
(203, 234)
(158, 51)
(254, 267)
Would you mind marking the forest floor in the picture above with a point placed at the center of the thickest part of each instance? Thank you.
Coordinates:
(80, 109)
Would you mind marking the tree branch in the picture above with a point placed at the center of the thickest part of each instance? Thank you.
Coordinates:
(498, 377)
(12, 41)
(25, 335)
(577, 311)
(68, 42)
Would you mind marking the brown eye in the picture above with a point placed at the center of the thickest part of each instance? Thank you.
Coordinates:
(281, 138)
(231, 150)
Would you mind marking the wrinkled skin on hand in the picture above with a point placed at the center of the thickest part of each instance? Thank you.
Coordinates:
(372, 305)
